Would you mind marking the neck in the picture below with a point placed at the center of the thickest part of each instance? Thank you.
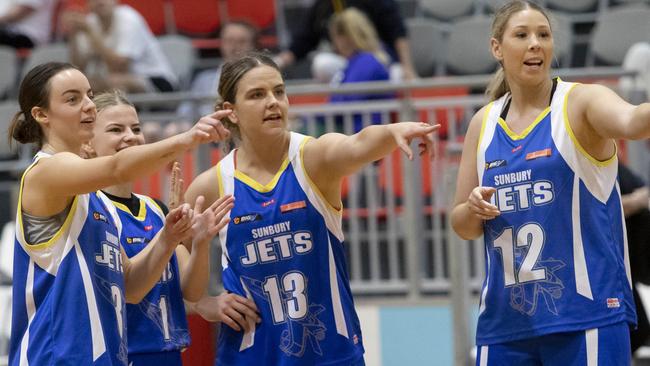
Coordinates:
(56, 146)
(268, 155)
(531, 96)
(120, 190)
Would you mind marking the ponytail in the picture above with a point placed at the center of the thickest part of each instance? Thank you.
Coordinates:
(25, 130)
(498, 86)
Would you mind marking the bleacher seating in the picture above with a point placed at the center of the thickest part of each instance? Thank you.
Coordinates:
(196, 18)
(616, 30)
(259, 13)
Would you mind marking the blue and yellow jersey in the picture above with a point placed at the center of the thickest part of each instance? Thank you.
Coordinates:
(158, 323)
(283, 248)
(556, 257)
(68, 292)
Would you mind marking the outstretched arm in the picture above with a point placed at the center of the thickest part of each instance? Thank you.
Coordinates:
(52, 182)
(608, 114)
(333, 156)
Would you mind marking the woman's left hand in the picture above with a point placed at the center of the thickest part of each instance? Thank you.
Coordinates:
(404, 132)
(206, 224)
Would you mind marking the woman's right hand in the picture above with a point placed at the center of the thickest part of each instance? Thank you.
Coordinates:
(208, 129)
(479, 203)
(231, 309)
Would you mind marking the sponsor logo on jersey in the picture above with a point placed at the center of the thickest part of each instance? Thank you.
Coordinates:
(148, 228)
(136, 240)
(246, 218)
(514, 150)
(612, 302)
(293, 206)
(538, 154)
(100, 217)
(268, 203)
(355, 339)
(495, 164)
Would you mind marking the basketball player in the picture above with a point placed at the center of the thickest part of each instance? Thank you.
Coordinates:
(157, 325)
(71, 278)
(283, 248)
(537, 179)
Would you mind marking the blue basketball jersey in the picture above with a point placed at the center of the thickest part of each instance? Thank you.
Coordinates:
(556, 257)
(158, 322)
(283, 248)
(68, 303)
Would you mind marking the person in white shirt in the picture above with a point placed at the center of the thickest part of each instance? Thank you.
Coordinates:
(25, 23)
(117, 50)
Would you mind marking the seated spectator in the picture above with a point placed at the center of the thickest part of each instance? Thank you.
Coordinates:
(237, 38)
(115, 48)
(384, 15)
(637, 88)
(25, 23)
(355, 38)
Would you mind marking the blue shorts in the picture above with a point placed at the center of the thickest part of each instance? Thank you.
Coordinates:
(609, 345)
(170, 358)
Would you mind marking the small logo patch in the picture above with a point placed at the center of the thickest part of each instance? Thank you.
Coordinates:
(293, 206)
(246, 218)
(135, 240)
(495, 164)
(148, 228)
(268, 203)
(516, 149)
(538, 154)
(100, 217)
(355, 339)
(612, 302)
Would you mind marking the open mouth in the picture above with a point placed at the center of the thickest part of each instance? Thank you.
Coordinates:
(89, 120)
(533, 63)
(273, 117)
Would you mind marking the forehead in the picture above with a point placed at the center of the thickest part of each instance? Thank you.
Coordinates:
(69, 80)
(262, 76)
(530, 18)
(121, 114)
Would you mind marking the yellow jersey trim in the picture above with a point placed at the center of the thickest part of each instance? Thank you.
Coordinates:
(219, 180)
(486, 114)
(314, 187)
(258, 186)
(527, 130)
(62, 229)
(142, 211)
(567, 126)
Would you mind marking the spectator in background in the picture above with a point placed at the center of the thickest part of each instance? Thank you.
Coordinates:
(237, 38)
(637, 59)
(116, 49)
(385, 16)
(634, 198)
(355, 38)
(25, 23)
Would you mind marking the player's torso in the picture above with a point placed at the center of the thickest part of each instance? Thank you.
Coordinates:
(282, 255)
(158, 323)
(547, 248)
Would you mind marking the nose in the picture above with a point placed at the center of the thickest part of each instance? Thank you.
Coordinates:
(272, 100)
(88, 104)
(534, 42)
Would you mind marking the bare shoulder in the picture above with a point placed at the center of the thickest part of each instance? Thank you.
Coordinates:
(205, 184)
(476, 123)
